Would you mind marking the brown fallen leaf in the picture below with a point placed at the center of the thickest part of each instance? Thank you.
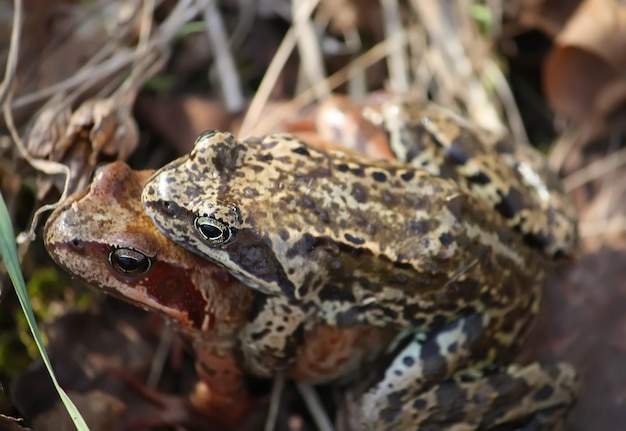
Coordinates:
(98, 130)
(588, 55)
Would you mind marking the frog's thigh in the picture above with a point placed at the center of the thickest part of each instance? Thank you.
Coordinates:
(419, 358)
(533, 397)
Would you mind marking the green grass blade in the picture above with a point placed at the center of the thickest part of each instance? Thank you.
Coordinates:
(8, 251)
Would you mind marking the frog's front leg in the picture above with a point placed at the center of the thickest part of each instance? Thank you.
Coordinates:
(275, 330)
(422, 389)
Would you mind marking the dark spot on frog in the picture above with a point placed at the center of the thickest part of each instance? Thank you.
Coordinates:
(456, 155)
(511, 203)
(544, 393)
(420, 404)
(301, 150)
(359, 193)
(419, 227)
(479, 178)
(450, 399)
(446, 239)
(380, 177)
(358, 171)
(333, 294)
(225, 155)
(256, 336)
(353, 240)
(453, 347)
(399, 279)
(342, 167)
(349, 317)
(390, 199)
(407, 176)
(539, 240)
(394, 405)
(408, 361)
(283, 234)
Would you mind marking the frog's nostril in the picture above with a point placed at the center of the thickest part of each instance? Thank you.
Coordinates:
(76, 243)
(170, 208)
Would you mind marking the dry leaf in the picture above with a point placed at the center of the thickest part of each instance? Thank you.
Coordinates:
(99, 130)
(588, 55)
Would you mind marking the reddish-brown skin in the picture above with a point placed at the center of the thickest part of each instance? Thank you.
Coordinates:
(202, 302)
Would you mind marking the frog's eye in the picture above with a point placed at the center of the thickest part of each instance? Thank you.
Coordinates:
(127, 261)
(213, 230)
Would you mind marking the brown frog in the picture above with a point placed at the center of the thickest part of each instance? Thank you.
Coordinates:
(103, 237)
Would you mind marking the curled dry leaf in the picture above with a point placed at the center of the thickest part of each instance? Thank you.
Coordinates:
(587, 57)
(99, 130)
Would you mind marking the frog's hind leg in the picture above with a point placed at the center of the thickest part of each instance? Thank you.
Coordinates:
(444, 375)
(535, 397)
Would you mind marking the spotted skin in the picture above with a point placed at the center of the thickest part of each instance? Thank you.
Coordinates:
(415, 251)
(511, 177)
(104, 238)
(376, 242)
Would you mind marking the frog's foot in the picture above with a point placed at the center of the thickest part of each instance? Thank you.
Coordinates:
(200, 410)
(527, 398)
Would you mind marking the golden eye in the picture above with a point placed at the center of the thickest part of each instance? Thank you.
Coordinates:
(213, 230)
(127, 261)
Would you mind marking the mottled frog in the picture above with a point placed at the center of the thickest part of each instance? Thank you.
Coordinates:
(442, 244)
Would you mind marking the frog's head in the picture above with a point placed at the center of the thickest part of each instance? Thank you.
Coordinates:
(188, 193)
(202, 202)
(103, 237)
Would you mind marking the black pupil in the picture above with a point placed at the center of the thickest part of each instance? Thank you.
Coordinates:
(211, 232)
(128, 263)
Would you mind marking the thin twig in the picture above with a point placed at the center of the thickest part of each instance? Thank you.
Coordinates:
(283, 52)
(513, 116)
(594, 170)
(312, 401)
(160, 357)
(396, 56)
(364, 61)
(46, 166)
(277, 391)
(232, 94)
(14, 47)
(311, 59)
